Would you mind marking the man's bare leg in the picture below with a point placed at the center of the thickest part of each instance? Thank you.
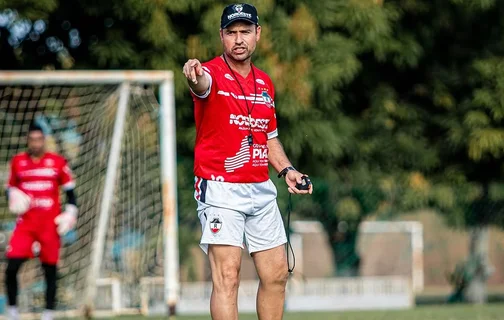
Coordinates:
(225, 262)
(271, 266)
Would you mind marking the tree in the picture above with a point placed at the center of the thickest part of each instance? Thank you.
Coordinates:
(390, 106)
(455, 88)
(422, 117)
(318, 57)
(366, 125)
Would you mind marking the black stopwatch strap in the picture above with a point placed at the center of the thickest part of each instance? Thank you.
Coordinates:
(284, 171)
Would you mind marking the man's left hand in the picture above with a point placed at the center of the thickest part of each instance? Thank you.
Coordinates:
(291, 178)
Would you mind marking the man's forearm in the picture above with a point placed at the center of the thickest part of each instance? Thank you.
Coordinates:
(277, 156)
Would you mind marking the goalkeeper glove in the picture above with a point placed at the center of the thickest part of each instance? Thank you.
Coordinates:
(19, 202)
(67, 220)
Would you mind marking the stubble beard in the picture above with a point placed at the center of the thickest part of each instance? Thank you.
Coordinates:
(248, 57)
(37, 153)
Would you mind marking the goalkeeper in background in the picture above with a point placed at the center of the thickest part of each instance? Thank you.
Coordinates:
(33, 195)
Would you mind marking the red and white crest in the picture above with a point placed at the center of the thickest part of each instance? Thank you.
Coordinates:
(268, 100)
(215, 225)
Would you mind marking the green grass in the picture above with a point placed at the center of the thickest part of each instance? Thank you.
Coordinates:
(460, 312)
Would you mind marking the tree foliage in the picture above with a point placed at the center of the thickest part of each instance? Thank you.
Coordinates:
(388, 105)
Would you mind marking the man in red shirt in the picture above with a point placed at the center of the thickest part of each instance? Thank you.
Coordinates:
(236, 140)
(33, 195)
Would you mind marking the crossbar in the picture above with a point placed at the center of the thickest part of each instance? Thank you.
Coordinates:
(76, 77)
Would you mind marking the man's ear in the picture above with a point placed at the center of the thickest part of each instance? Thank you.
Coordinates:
(258, 33)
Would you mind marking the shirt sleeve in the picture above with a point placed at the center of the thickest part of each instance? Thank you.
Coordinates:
(66, 179)
(272, 125)
(210, 75)
(12, 181)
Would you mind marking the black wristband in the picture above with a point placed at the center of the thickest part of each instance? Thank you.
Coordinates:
(71, 197)
(284, 171)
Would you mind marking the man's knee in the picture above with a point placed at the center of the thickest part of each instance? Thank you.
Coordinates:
(225, 262)
(272, 268)
(226, 279)
(275, 278)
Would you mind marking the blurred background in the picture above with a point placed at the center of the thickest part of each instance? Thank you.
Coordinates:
(394, 108)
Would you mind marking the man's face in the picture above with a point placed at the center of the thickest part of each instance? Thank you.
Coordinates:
(36, 142)
(239, 40)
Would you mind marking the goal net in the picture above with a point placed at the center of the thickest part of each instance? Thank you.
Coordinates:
(110, 134)
(404, 254)
(402, 258)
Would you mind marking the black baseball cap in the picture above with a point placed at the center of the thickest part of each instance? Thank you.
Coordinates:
(237, 12)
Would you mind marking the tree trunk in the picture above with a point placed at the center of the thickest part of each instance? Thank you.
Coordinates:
(478, 266)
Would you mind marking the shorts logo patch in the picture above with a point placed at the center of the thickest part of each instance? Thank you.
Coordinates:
(36, 248)
(215, 225)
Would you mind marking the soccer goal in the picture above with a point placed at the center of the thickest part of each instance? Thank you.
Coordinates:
(117, 131)
(394, 246)
(387, 249)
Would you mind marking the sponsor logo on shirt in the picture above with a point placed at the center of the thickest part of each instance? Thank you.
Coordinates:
(239, 159)
(44, 172)
(259, 155)
(241, 120)
(42, 202)
(37, 186)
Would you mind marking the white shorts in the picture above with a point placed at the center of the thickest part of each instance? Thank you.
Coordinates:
(234, 213)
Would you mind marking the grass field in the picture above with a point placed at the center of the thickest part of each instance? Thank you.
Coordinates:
(488, 312)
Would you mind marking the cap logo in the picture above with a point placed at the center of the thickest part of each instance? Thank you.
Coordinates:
(238, 8)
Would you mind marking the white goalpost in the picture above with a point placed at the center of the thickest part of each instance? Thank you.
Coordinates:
(117, 129)
(372, 234)
(414, 231)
